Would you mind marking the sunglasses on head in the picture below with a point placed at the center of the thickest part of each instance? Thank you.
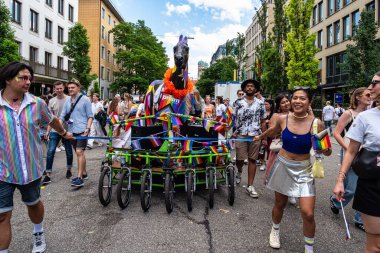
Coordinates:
(301, 87)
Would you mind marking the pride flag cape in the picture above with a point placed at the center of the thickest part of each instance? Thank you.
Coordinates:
(321, 141)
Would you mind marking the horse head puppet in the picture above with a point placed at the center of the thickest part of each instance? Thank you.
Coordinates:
(181, 57)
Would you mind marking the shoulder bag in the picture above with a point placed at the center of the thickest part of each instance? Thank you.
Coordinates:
(67, 116)
(276, 145)
(318, 169)
(367, 164)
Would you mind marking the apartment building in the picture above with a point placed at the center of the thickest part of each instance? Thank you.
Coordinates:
(253, 37)
(99, 17)
(201, 66)
(41, 28)
(219, 53)
(334, 22)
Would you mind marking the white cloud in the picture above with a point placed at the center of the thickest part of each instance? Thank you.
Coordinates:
(177, 9)
(203, 46)
(226, 9)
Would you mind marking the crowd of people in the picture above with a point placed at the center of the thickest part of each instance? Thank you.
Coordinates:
(274, 134)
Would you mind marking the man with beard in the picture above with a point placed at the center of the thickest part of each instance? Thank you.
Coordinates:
(250, 121)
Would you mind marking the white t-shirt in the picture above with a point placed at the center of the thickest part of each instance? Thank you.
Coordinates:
(328, 113)
(220, 109)
(365, 129)
(95, 108)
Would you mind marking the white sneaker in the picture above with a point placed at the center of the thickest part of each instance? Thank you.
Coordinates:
(246, 161)
(39, 244)
(292, 200)
(58, 150)
(62, 148)
(252, 192)
(238, 177)
(100, 145)
(274, 238)
(262, 167)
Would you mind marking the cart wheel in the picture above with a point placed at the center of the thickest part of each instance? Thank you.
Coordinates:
(211, 188)
(169, 189)
(230, 184)
(190, 190)
(145, 194)
(123, 189)
(105, 186)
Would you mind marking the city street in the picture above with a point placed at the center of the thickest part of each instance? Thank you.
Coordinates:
(75, 221)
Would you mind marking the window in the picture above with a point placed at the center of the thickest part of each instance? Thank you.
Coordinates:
(16, 12)
(320, 39)
(114, 59)
(48, 59)
(109, 38)
(346, 27)
(334, 67)
(337, 32)
(71, 13)
(355, 21)
(109, 19)
(320, 11)
(103, 13)
(330, 7)
(60, 7)
(337, 5)
(33, 21)
(108, 56)
(102, 52)
(49, 2)
(102, 72)
(314, 15)
(48, 29)
(60, 35)
(370, 6)
(33, 54)
(59, 62)
(19, 45)
(346, 2)
(69, 65)
(114, 23)
(329, 36)
(103, 31)
(108, 75)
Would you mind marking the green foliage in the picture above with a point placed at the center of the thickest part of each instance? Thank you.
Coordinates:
(8, 47)
(222, 70)
(302, 67)
(363, 57)
(77, 48)
(141, 57)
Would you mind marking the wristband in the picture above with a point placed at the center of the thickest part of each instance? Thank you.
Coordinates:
(342, 173)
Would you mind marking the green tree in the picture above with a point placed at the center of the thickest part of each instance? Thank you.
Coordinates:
(77, 48)
(235, 48)
(141, 57)
(302, 68)
(8, 46)
(222, 70)
(363, 56)
(258, 66)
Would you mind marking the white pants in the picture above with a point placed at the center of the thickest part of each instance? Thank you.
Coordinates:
(96, 130)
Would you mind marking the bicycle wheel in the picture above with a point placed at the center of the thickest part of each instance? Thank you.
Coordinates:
(169, 188)
(230, 185)
(105, 186)
(123, 190)
(190, 190)
(145, 194)
(211, 188)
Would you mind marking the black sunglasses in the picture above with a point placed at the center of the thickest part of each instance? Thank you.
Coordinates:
(374, 82)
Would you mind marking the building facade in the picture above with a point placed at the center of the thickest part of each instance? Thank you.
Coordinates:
(99, 17)
(219, 54)
(334, 22)
(41, 28)
(201, 66)
(253, 37)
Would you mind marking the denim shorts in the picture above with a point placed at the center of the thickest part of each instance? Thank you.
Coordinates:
(30, 194)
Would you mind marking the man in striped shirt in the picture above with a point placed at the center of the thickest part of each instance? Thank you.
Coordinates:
(21, 163)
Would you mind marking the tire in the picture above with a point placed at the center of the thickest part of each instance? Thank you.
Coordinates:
(169, 188)
(190, 190)
(105, 186)
(123, 190)
(211, 187)
(231, 185)
(145, 194)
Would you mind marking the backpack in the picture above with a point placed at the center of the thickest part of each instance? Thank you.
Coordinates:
(101, 116)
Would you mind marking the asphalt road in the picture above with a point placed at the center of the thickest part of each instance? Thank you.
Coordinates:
(75, 221)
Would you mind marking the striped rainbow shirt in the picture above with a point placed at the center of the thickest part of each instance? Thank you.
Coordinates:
(20, 144)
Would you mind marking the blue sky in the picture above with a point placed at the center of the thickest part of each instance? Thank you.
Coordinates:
(210, 22)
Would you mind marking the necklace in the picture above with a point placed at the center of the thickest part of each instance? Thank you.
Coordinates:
(301, 117)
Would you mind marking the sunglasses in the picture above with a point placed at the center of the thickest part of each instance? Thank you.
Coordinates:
(24, 78)
(301, 88)
(241, 94)
(374, 82)
(367, 95)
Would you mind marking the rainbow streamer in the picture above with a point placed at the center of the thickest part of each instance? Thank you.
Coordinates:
(176, 121)
(214, 149)
(225, 148)
(136, 145)
(155, 141)
(188, 145)
(207, 124)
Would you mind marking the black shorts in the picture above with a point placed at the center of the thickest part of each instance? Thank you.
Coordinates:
(367, 197)
(82, 144)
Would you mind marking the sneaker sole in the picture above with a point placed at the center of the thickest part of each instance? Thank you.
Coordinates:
(75, 185)
(274, 246)
(46, 183)
(254, 196)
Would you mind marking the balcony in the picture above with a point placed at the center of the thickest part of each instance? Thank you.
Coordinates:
(49, 71)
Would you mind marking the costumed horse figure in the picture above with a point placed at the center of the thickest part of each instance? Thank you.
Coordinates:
(174, 93)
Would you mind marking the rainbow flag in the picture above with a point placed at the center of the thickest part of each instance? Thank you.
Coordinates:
(207, 124)
(225, 149)
(214, 149)
(169, 100)
(170, 135)
(155, 141)
(176, 121)
(218, 127)
(321, 141)
(191, 119)
(136, 145)
(179, 152)
(114, 119)
(188, 145)
(197, 160)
